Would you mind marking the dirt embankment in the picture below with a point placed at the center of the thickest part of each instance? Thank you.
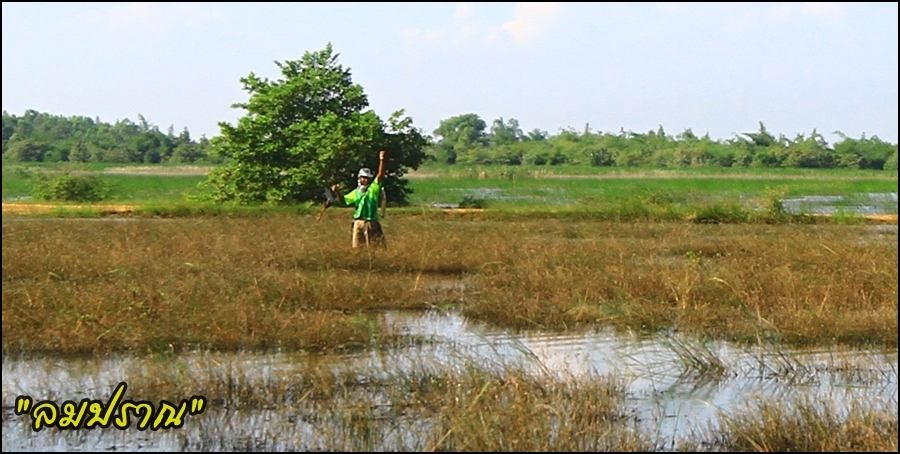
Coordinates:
(34, 208)
(109, 209)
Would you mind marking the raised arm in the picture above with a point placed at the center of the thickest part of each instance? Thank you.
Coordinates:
(382, 155)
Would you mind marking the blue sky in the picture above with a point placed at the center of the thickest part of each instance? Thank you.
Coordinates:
(716, 68)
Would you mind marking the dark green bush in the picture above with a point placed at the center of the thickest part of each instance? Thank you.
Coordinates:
(721, 214)
(472, 202)
(74, 188)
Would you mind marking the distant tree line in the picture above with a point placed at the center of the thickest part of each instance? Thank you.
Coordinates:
(463, 139)
(37, 136)
(466, 139)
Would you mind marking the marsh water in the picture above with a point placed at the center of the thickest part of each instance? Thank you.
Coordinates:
(675, 385)
(866, 203)
(862, 204)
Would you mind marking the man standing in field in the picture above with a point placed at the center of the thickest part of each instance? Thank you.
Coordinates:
(366, 228)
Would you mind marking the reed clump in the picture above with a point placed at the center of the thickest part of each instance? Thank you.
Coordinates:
(804, 426)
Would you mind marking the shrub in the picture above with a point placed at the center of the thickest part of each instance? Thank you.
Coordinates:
(74, 188)
(721, 213)
(472, 202)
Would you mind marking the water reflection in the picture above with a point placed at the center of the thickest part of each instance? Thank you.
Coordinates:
(675, 385)
(862, 204)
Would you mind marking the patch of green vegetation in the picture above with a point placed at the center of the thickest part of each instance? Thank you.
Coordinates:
(513, 192)
(74, 188)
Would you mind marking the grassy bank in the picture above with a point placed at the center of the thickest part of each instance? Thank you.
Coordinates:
(700, 195)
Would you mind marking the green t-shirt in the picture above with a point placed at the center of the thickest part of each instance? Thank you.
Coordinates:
(366, 204)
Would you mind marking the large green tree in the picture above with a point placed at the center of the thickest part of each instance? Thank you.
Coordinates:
(505, 132)
(459, 135)
(306, 130)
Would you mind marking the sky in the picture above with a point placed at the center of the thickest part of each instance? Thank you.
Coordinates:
(719, 69)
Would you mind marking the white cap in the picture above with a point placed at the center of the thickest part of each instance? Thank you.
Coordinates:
(366, 172)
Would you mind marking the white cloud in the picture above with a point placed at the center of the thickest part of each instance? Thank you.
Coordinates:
(494, 34)
(133, 14)
(463, 9)
(783, 12)
(780, 12)
(531, 20)
(460, 29)
(822, 9)
(149, 16)
(410, 36)
(672, 6)
(414, 37)
(432, 36)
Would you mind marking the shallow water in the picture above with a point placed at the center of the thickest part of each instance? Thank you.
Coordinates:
(670, 395)
(862, 204)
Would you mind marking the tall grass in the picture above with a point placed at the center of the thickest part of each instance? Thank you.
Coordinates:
(779, 283)
(315, 406)
(290, 282)
(805, 426)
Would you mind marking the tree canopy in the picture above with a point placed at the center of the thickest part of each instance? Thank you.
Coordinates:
(308, 129)
(37, 136)
(463, 139)
(459, 135)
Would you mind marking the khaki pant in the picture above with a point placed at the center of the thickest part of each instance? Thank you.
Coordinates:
(367, 233)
